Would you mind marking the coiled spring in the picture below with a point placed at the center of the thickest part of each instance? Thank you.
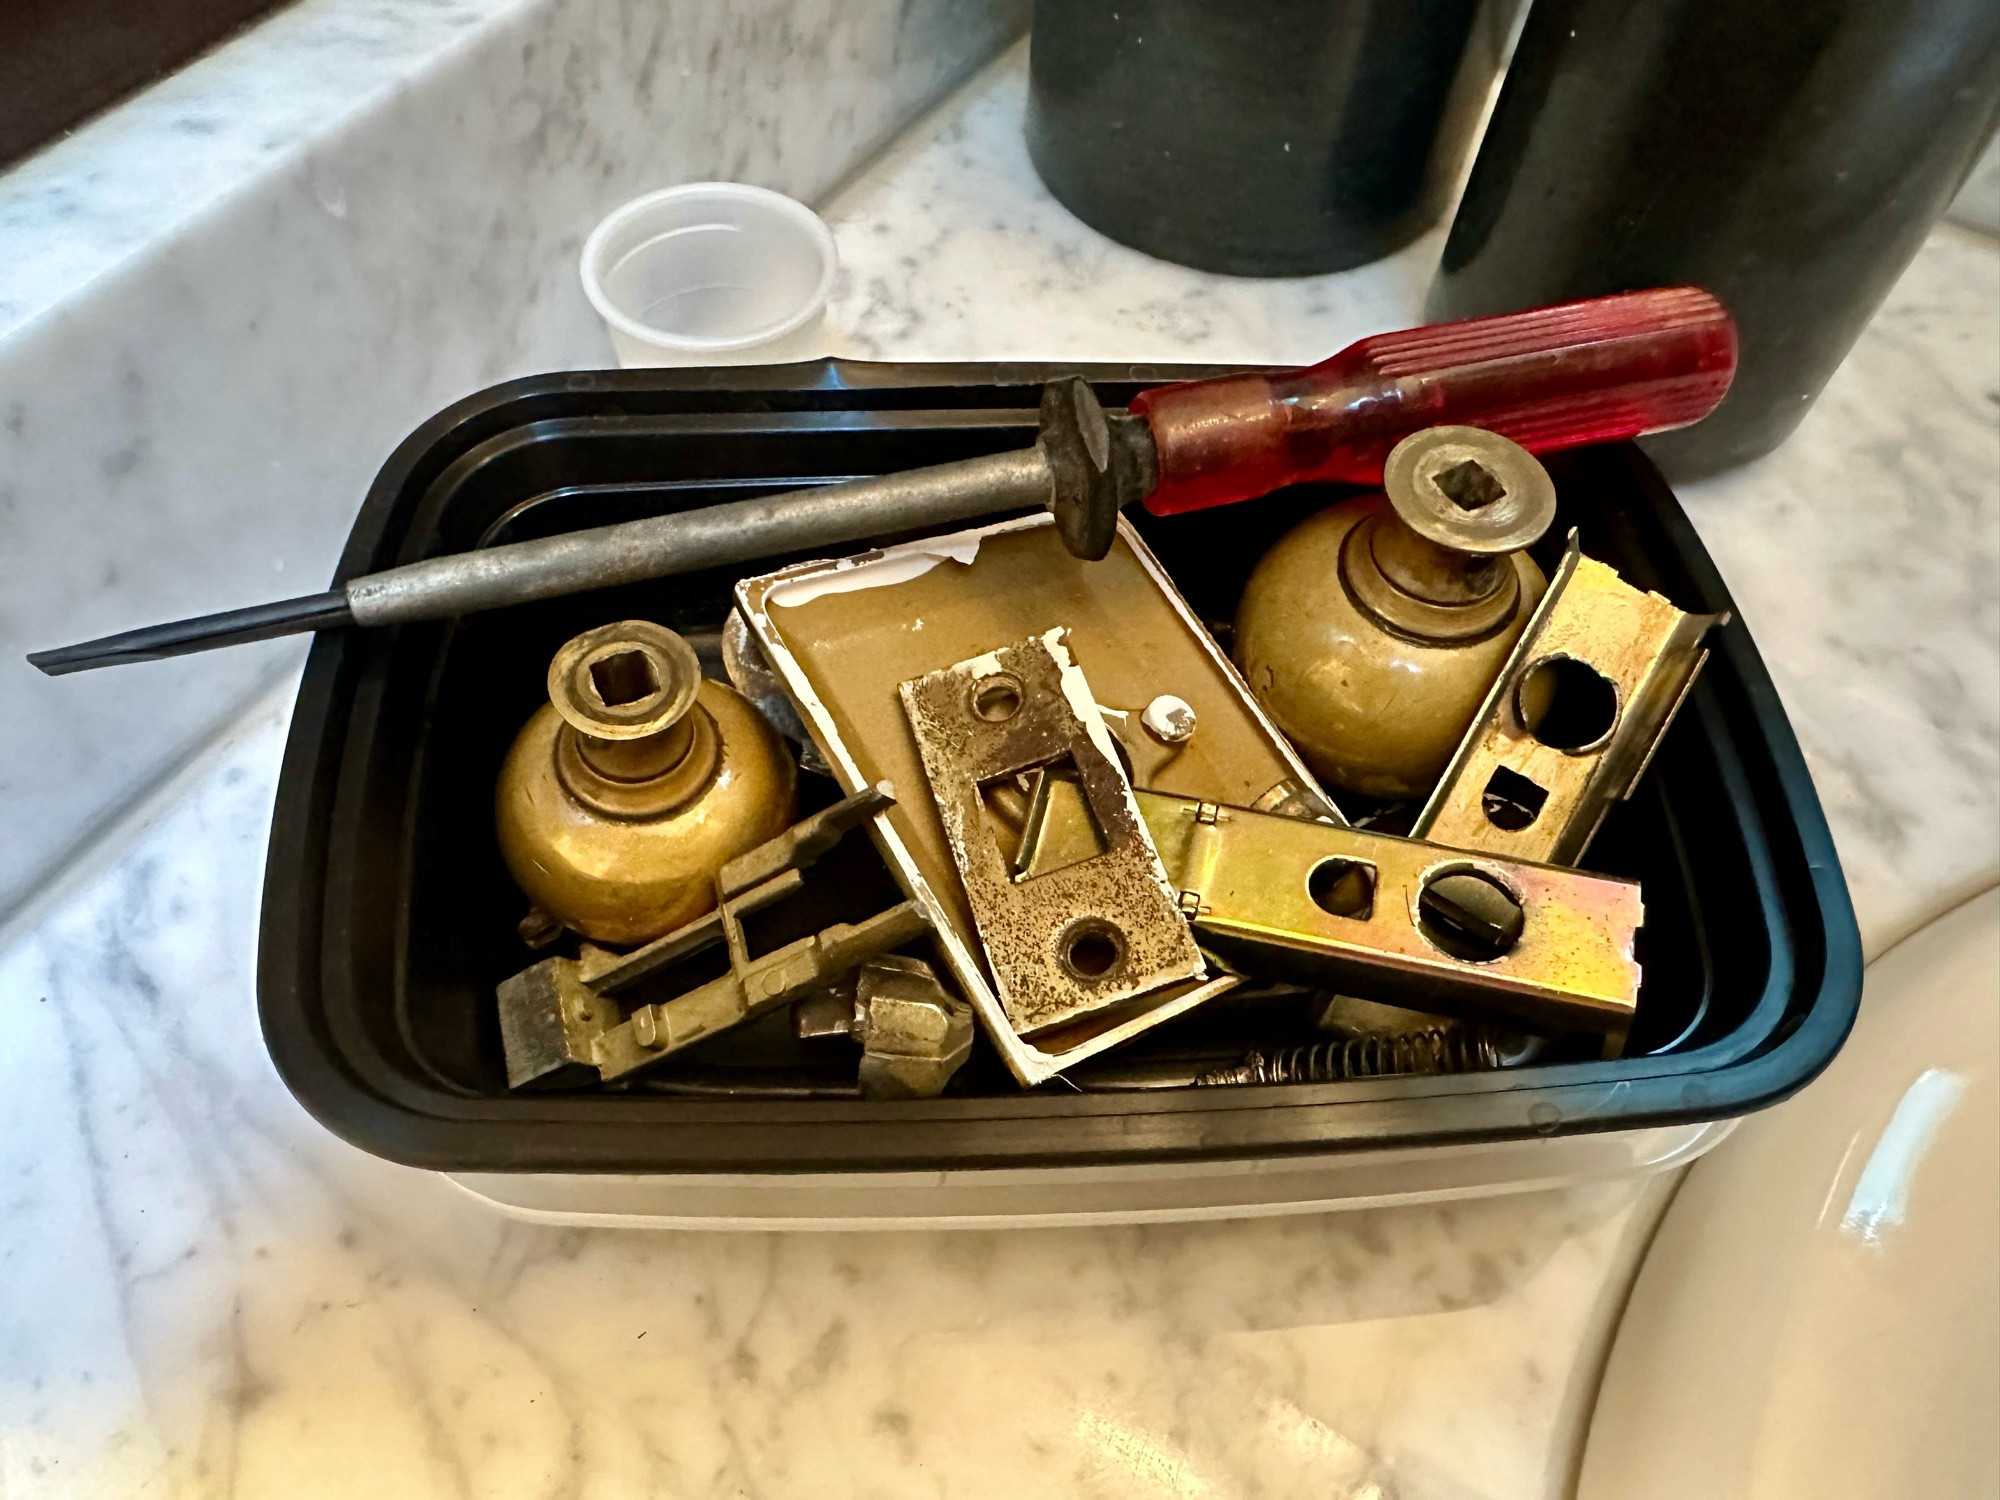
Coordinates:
(1435, 1049)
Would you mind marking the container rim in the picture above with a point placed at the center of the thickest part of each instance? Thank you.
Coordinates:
(440, 1128)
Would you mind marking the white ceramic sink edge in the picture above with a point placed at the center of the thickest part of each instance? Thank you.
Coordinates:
(1819, 1316)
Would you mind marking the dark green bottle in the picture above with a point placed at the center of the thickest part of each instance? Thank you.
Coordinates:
(1256, 137)
(1788, 157)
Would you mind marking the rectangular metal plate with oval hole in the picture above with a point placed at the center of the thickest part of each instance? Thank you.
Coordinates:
(1572, 719)
(1398, 920)
(1091, 923)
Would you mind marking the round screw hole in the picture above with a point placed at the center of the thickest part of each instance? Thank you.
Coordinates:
(1469, 915)
(1343, 888)
(1566, 704)
(1093, 949)
(624, 677)
(997, 699)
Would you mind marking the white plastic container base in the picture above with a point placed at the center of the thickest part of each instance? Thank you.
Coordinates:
(1068, 1196)
(711, 273)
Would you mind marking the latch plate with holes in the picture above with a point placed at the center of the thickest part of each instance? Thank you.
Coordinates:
(1089, 921)
(1409, 922)
(1572, 719)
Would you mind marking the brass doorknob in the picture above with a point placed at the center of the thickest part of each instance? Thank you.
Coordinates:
(634, 784)
(1371, 631)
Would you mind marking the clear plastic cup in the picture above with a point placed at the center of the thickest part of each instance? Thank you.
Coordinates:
(711, 273)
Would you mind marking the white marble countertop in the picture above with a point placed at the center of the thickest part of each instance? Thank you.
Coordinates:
(207, 1294)
(226, 301)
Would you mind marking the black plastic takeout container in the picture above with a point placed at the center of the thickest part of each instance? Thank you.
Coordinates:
(388, 917)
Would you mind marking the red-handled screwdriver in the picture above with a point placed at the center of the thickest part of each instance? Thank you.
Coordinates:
(1557, 377)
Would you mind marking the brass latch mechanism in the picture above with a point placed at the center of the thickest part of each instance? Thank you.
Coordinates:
(1323, 905)
(560, 1018)
(1572, 720)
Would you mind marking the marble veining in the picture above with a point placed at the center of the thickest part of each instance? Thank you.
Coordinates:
(99, 196)
(208, 1294)
(224, 305)
(950, 236)
(1865, 555)
(205, 1293)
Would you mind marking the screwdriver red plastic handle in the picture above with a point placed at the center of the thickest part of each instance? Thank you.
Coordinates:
(1555, 377)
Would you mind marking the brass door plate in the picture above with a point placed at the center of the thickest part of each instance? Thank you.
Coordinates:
(1572, 720)
(844, 635)
(1090, 923)
(1413, 923)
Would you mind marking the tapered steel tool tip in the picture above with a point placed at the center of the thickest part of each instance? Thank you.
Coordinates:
(233, 627)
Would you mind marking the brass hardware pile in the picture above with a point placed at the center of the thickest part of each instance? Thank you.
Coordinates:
(1343, 849)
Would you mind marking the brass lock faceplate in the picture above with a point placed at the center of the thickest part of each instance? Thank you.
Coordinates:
(1572, 721)
(1416, 923)
(843, 635)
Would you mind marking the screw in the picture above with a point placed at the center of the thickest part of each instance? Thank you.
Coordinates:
(1470, 916)
(1169, 720)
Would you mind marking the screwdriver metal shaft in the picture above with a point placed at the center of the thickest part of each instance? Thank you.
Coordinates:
(657, 547)
(1585, 372)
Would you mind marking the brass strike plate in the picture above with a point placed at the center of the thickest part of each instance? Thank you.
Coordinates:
(1072, 922)
(1572, 719)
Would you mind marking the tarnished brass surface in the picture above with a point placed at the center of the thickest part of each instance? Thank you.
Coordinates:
(1371, 631)
(1572, 719)
(1473, 493)
(914, 1033)
(625, 794)
(1372, 710)
(844, 635)
(1093, 924)
(553, 1023)
(1327, 905)
(559, 1022)
(754, 879)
